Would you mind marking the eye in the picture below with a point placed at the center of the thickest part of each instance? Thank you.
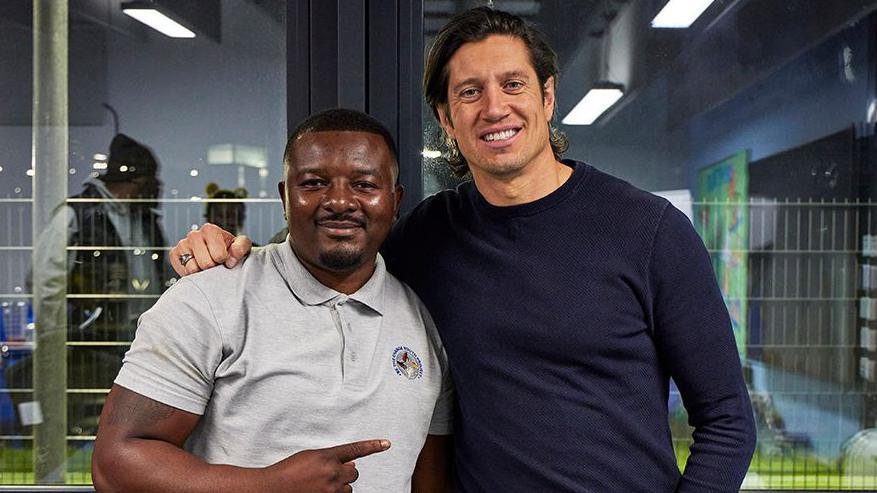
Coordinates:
(365, 185)
(514, 85)
(469, 93)
(312, 183)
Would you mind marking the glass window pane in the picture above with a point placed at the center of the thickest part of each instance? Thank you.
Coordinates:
(150, 135)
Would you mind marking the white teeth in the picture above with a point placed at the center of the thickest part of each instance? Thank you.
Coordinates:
(505, 134)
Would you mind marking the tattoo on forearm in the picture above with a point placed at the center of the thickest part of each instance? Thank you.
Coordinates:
(132, 409)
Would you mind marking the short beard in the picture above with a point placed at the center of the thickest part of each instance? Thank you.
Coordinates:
(502, 171)
(341, 259)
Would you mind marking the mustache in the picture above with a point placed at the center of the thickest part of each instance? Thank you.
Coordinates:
(342, 217)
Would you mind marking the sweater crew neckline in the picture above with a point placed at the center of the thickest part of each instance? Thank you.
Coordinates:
(578, 176)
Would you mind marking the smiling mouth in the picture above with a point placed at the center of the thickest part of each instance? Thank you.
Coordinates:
(501, 135)
(340, 228)
(339, 224)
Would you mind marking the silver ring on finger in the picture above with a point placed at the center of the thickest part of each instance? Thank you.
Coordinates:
(184, 258)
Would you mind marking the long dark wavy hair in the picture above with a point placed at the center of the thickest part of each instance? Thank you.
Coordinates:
(475, 25)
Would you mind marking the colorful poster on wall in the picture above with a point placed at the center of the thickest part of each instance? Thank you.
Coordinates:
(723, 223)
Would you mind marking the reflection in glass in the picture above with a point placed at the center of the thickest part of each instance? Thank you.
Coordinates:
(136, 98)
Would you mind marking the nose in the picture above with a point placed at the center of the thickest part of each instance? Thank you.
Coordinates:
(495, 104)
(339, 198)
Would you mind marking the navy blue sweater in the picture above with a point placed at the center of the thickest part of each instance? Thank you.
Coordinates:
(563, 320)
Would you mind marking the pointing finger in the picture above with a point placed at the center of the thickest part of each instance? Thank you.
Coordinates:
(355, 450)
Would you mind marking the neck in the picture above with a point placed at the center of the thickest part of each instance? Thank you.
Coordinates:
(535, 180)
(347, 283)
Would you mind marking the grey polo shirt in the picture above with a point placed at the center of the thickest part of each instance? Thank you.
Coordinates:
(276, 362)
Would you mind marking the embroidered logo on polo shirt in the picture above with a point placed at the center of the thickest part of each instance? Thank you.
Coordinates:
(406, 363)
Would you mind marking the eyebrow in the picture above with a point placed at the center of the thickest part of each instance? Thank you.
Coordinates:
(357, 171)
(512, 74)
(466, 82)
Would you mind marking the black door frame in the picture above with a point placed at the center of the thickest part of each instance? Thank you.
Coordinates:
(365, 55)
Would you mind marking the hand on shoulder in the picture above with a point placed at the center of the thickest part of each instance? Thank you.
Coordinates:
(207, 247)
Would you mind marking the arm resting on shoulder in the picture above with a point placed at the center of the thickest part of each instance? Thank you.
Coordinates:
(209, 246)
(435, 465)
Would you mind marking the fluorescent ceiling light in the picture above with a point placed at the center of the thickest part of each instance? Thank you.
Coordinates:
(158, 21)
(431, 153)
(236, 154)
(594, 104)
(679, 14)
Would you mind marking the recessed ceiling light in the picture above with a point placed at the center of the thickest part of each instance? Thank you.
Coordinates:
(680, 14)
(154, 18)
(594, 104)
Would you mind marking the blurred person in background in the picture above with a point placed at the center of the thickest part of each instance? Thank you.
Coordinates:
(116, 209)
(115, 219)
(229, 216)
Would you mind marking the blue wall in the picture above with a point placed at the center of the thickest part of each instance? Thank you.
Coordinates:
(804, 100)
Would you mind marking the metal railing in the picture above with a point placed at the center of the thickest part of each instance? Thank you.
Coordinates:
(800, 286)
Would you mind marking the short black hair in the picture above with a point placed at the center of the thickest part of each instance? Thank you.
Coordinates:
(342, 120)
(475, 25)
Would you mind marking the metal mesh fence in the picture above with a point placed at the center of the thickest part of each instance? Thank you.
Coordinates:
(116, 269)
(807, 332)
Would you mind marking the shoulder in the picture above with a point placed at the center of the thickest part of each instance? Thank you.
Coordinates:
(620, 201)
(432, 218)
(213, 297)
(430, 221)
(184, 312)
(405, 300)
(439, 206)
(401, 295)
(64, 214)
(221, 281)
(623, 193)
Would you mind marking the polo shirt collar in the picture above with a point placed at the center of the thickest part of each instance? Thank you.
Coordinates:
(312, 292)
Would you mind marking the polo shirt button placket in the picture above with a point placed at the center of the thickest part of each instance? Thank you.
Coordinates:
(346, 332)
(340, 324)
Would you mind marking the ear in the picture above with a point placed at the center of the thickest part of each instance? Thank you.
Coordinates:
(548, 98)
(445, 120)
(399, 193)
(281, 189)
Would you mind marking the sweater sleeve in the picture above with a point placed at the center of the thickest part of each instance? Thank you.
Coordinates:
(695, 342)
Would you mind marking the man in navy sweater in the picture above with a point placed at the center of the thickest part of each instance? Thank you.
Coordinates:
(566, 298)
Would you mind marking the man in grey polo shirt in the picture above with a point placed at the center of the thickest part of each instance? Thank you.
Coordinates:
(238, 379)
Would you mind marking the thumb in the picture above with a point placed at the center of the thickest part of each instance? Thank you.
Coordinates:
(239, 248)
(355, 450)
